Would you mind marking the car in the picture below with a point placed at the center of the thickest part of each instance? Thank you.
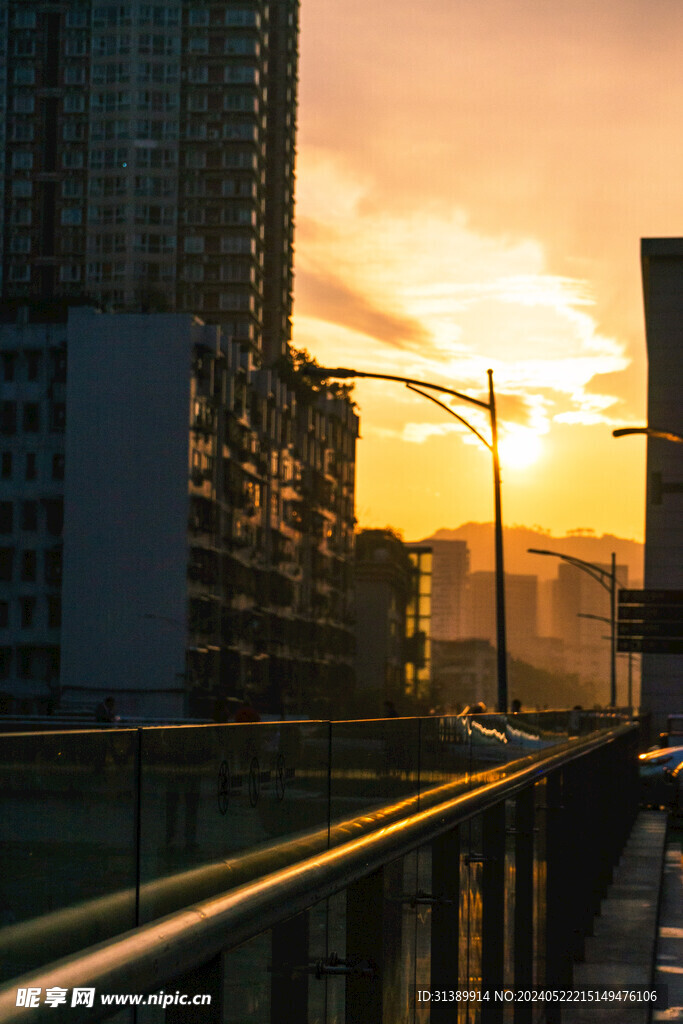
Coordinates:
(655, 769)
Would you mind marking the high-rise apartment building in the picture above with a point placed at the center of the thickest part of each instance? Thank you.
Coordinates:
(176, 523)
(148, 158)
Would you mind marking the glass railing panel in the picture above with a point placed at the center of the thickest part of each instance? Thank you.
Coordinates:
(373, 764)
(68, 843)
(223, 804)
(247, 980)
(444, 758)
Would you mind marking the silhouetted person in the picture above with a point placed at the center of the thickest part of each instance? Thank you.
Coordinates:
(516, 706)
(106, 711)
(389, 709)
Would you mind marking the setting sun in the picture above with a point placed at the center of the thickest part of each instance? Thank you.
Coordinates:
(519, 449)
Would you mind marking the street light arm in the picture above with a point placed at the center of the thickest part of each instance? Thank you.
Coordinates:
(323, 372)
(600, 576)
(663, 435)
(447, 408)
(588, 567)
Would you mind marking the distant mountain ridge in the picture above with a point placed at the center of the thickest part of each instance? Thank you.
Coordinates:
(516, 540)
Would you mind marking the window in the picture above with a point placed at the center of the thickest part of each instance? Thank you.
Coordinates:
(28, 611)
(58, 466)
(71, 188)
(76, 45)
(20, 272)
(24, 18)
(29, 566)
(5, 661)
(24, 45)
(29, 515)
(193, 272)
(6, 516)
(72, 159)
(22, 131)
(20, 243)
(194, 244)
(54, 515)
(21, 215)
(6, 466)
(58, 417)
(9, 361)
(77, 18)
(54, 611)
(71, 215)
(22, 188)
(6, 564)
(199, 73)
(24, 75)
(199, 44)
(74, 103)
(31, 421)
(8, 414)
(53, 567)
(58, 365)
(70, 273)
(24, 103)
(74, 76)
(31, 466)
(32, 365)
(74, 131)
(22, 160)
(199, 16)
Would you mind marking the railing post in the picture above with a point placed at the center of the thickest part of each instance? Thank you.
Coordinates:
(558, 964)
(445, 919)
(493, 911)
(289, 987)
(524, 901)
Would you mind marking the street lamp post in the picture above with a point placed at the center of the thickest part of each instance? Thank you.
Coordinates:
(340, 373)
(608, 580)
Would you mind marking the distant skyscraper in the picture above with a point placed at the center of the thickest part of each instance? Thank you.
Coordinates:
(662, 266)
(148, 158)
(450, 568)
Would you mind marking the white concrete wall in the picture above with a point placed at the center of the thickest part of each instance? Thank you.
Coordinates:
(662, 258)
(126, 508)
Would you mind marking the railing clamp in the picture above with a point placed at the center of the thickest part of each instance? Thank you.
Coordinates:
(333, 965)
(420, 898)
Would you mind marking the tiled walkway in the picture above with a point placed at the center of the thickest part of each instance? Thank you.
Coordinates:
(670, 944)
(621, 952)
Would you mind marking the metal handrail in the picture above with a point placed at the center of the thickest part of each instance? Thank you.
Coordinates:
(148, 957)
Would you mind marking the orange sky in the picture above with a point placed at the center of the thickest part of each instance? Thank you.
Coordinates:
(473, 182)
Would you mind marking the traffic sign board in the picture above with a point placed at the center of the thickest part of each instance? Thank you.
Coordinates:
(650, 621)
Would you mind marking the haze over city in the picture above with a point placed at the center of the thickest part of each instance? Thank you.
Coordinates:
(473, 183)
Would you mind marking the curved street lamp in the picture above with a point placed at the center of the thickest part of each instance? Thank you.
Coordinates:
(601, 576)
(341, 373)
